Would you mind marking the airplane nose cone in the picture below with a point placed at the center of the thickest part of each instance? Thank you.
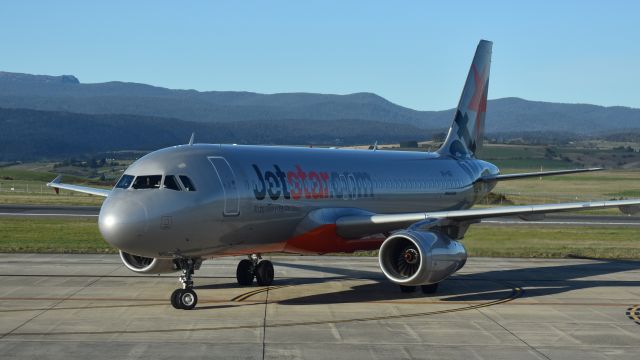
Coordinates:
(123, 223)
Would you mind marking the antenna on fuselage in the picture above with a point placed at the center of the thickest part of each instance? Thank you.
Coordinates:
(193, 135)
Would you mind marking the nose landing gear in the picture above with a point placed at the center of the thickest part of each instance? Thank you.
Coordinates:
(254, 267)
(185, 298)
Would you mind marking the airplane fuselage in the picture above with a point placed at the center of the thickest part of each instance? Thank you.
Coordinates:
(251, 199)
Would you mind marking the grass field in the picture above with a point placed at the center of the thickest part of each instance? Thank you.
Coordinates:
(52, 236)
(553, 241)
(591, 154)
(601, 185)
(82, 236)
(26, 184)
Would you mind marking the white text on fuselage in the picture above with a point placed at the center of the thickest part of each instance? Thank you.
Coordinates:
(300, 184)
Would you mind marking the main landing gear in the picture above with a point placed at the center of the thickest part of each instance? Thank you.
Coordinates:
(185, 298)
(254, 267)
(426, 289)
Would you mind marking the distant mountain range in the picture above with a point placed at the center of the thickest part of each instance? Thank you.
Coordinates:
(34, 134)
(140, 116)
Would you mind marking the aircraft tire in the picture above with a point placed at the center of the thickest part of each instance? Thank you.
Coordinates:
(407, 289)
(429, 289)
(175, 298)
(264, 273)
(245, 272)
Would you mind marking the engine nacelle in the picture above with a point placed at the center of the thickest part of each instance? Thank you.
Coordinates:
(412, 257)
(145, 265)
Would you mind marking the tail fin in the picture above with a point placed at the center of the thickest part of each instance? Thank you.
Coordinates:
(465, 135)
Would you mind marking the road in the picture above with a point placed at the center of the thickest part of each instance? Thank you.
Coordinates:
(48, 211)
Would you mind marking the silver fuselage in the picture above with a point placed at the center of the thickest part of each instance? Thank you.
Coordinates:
(256, 198)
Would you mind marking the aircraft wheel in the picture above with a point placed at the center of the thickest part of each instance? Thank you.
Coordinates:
(407, 289)
(187, 299)
(175, 295)
(429, 289)
(264, 273)
(245, 272)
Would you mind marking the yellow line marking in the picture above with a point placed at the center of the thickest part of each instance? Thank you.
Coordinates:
(634, 314)
(249, 294)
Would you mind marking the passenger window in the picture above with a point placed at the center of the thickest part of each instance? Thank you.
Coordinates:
(171, 183)
(147, 182)
(124, 182)
(186, 182)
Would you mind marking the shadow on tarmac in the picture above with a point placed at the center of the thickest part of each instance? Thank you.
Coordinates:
(483, 286)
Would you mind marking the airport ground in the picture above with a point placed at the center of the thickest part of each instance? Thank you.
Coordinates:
(90, 306)
(562, 305)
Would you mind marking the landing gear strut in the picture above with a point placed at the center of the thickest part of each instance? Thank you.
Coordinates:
(254, 267)
(185, 298)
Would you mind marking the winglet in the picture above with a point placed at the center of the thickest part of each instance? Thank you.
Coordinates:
(490, 178)
(193, 135)
(54, 182)
(57, 180)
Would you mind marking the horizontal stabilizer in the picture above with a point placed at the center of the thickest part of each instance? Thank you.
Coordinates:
(535, 174)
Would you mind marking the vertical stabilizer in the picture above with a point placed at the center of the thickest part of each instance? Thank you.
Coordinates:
(465, 135)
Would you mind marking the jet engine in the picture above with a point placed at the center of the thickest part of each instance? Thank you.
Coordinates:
(412, 257)
(145, 265)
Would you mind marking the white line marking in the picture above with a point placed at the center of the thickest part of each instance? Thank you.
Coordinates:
(560, 222)
(30, 214)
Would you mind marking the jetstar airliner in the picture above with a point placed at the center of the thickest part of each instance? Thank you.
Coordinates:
(178, 206)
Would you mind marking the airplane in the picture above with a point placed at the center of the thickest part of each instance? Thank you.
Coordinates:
(175, 207)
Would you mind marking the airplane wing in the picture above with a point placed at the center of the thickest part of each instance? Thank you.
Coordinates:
(351, 226)
(535, 174)
(56, 184)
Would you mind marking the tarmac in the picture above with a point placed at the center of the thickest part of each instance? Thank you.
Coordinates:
(92, 307)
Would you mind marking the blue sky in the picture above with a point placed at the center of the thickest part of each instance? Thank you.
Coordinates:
(414, 53)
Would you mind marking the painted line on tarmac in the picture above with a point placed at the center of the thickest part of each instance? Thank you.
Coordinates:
(50, 215)
(560, 222)
(249, 294)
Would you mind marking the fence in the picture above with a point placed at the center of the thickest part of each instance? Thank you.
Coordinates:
(16, 187)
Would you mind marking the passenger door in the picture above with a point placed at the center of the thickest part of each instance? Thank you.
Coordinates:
(229, 185)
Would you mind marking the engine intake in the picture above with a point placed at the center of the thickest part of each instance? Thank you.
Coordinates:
(145, 265)
(412, 257)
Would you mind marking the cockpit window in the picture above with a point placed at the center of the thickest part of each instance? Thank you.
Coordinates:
(124, 182)
(171, 183)
(147, 182)
(186, 182)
